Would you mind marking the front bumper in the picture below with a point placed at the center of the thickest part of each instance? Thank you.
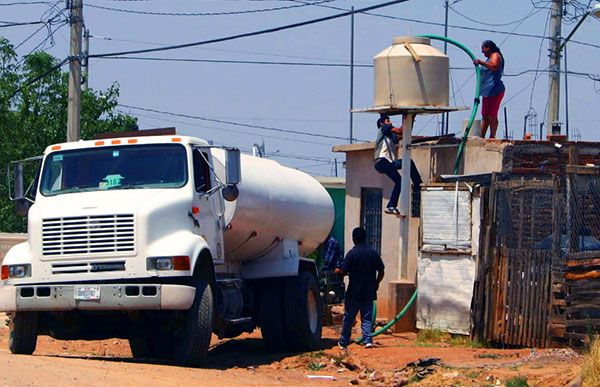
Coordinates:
(51, 298)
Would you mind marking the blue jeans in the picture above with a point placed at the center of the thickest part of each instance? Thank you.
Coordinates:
(390, 169)
(351, 309)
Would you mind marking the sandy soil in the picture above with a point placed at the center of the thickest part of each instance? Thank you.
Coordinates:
(244, 361)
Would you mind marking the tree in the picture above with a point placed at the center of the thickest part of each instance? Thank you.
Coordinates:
(36, 115)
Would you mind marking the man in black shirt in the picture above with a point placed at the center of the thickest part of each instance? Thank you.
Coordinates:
(366, 270)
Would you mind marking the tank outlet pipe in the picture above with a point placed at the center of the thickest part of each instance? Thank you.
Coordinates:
(476, 100)
(410, 302)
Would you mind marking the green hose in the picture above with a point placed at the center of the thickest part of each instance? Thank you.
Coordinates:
(374, 319)
(410, 302)
(475, 102)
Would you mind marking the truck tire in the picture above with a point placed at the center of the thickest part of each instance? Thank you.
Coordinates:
(23, 333)
(302, 312)
(270, 315)
(193, 339)
(141, 347)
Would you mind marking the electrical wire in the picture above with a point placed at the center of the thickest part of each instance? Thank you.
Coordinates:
(524, 88)
(249, 34)
(529, 14)
(467, 28)
(222, 50)
(224, 13)
(50, 37)
(231, 130)
(24, 3)
(309, 64)
(16, 24)
(33, 80)
(236, 61)
(538, 61)
(235, 123)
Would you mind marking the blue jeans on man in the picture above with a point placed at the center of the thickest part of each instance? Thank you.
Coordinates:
(351, 309)
(390, 169)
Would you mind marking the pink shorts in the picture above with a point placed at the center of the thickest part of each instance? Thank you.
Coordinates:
(491, 105)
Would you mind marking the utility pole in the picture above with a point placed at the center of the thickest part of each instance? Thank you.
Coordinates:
(556, 10)
(74, 104)
(351, 76)
(86, 63)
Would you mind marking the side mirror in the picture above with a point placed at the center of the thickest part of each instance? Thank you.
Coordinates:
(21, 203)
(233, 166)
(22, 206)
(19, 185)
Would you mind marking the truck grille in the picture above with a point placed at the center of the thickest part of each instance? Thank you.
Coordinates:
(87, 267)
(88, 235)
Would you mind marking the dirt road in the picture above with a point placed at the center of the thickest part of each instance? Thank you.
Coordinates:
(244, 361)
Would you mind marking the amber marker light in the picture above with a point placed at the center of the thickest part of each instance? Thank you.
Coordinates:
(181, 263)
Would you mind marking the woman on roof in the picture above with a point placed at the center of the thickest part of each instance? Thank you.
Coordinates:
(491, 86)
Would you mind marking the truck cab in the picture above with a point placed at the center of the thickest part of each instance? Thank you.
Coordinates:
(128, 238)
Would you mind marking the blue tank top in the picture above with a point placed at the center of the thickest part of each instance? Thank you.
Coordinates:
(491, 81)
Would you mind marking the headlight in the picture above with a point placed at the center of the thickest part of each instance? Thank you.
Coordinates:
(164, 263)
(169, 263)
(16, 271)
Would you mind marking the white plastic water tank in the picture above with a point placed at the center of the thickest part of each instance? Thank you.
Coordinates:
(274, 202)
(404, 79)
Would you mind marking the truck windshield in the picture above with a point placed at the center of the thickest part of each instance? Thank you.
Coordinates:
(120, 167)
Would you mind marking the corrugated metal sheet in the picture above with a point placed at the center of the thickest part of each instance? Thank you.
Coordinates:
(445, 291)
(446, 217)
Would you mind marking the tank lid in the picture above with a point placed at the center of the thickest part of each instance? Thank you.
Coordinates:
(411, 39)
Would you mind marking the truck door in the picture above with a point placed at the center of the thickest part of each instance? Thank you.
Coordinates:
(209, 203)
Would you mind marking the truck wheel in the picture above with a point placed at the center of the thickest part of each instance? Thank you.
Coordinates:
(302, 310)
(23, 333)
(270, 315)
(192, 338)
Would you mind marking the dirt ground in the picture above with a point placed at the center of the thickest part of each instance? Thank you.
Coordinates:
(244, 361)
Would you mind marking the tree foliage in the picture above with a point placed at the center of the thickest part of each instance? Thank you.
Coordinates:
(36, 116)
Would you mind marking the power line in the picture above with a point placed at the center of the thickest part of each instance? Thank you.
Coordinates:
(235, 61)
(223, 13)
(221, 49)
(309, 64)
(529, 14)
(248, 34)
(16, 24)
(50, 37)
(235, 123)
(33, 80)
(24, 3)
(461, 27)
(232, 130)
(539, 59)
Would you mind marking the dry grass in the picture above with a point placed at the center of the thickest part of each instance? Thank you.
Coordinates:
(591, 365)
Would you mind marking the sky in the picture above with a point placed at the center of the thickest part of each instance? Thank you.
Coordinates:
(267, 102)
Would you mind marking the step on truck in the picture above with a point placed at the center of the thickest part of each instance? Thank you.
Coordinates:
(164, 240)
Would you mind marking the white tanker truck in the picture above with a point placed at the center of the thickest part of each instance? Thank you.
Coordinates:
(164, 240)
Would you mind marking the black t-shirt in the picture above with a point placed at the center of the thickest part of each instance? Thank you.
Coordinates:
(362, 264)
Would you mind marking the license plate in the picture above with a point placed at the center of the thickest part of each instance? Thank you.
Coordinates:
(87, 292)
